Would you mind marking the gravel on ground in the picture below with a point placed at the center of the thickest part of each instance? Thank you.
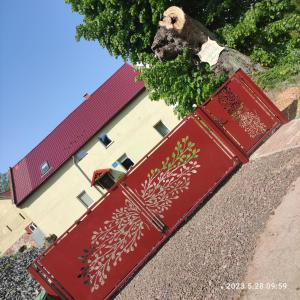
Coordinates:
(215, 247)
(15, 282)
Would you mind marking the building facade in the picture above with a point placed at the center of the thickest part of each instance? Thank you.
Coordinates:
(13, 222)
(111, 130)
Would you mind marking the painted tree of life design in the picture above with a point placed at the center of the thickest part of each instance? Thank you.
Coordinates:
(121, 234)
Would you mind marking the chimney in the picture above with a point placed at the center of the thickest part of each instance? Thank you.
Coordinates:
(86, 96)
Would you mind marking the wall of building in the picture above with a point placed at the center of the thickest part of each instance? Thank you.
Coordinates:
(12, 224)
(55, 206)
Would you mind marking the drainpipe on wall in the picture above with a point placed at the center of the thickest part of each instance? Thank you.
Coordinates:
(12, 186)
(87, 177)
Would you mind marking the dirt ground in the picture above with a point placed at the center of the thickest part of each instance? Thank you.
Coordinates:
(287, 99)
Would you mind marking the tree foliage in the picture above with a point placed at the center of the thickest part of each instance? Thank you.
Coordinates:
(180, 83)
(4, 182)
(266, 30)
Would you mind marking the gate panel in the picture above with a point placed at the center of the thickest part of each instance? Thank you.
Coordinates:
(241, 112)
(181, 172)
(224, 120)
(102, 249)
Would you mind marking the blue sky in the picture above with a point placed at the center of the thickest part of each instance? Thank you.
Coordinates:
(44, 72)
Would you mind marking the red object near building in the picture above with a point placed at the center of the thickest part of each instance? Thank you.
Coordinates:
(242, 112)
(96, 256)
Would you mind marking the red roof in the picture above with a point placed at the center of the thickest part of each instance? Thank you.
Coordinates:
(73, 132)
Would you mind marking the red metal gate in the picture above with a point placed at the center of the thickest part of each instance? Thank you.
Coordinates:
(180, 172)
(107, 243)
(242, 112)
(98, 254)
(111, 241)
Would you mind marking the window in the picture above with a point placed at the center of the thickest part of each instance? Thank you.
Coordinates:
(80, 155)
(44, 168)
(162, 128)
(85, 199)
(104, 139)
(32, 227)
(125, 161)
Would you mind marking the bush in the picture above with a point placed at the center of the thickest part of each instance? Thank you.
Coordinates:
(287, 69)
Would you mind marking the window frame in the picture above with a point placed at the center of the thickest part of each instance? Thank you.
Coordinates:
(80, 152)
(82, 202)
(106, 135)
(41, 168)
(121, 161)
(155, 127)
(32, 227)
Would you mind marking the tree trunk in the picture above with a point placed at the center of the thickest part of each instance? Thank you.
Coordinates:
(178, 31)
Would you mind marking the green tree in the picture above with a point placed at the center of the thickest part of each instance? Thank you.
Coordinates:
(4, 182)
(266, 30)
